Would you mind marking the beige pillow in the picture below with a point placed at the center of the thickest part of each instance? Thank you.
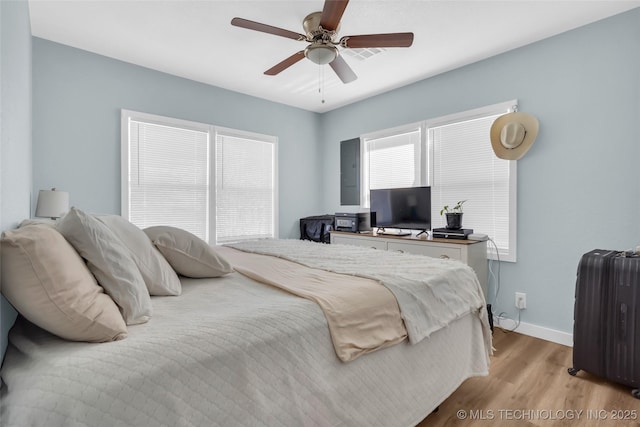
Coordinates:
(40, 221)
(46, 280)
(189, 255)
(156, 271)
(109, 260)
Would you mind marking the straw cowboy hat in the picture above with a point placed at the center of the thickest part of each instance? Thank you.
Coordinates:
(513, 134)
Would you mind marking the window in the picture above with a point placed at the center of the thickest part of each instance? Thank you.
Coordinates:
(217, 183)
(167, 162)
(245, 187)
(453, 155)
(392, 159)
(464, 167)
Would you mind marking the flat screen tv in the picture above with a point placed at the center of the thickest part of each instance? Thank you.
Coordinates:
(401, 208)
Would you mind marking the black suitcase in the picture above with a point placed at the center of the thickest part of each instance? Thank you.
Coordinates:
(317, 228)
(589, 317)
(623, 338)
(607, 317)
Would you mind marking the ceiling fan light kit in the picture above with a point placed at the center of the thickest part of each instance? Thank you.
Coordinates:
(321, 29)
(320, 54)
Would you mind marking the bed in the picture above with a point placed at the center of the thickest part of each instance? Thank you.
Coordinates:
(236, 351)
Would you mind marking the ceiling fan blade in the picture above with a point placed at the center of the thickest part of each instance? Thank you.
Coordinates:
(257, 26)
(378, 40)
(343, 70)
(332, 13)
(276, 69)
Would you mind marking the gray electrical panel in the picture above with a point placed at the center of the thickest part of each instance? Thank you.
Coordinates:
(350, 172)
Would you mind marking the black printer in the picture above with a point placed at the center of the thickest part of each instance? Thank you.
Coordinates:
(353, 222)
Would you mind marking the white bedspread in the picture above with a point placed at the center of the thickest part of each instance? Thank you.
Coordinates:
(231, 352)
(431, 292)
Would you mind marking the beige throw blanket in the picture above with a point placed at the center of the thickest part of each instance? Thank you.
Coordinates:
(362, 314)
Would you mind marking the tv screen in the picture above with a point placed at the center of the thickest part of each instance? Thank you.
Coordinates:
(404, 208)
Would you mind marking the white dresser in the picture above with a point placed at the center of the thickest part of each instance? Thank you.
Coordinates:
(472, 253)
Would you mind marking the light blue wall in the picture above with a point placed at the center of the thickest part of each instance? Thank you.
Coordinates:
(578, 186)
(15, 128)
(76, 134)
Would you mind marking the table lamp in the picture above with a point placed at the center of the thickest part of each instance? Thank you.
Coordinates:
(52, 203)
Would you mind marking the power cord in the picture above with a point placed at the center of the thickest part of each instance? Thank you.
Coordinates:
(503, 316)
(496, 280)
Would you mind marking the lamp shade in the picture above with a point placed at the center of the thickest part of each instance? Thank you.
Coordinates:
(52, 204)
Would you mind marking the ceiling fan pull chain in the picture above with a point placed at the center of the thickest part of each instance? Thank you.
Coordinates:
(321, 82)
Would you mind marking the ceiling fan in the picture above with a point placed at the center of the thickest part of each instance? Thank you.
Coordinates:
(321, 29)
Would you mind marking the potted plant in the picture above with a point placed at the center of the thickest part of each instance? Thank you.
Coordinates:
(453, 215)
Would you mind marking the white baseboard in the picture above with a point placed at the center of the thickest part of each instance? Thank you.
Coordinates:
(536, 331)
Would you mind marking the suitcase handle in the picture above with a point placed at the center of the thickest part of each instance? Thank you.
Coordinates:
(623, 321)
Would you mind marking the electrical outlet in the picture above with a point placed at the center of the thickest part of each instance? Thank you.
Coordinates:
(521, 300)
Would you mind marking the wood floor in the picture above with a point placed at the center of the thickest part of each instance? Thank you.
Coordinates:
(528, 385)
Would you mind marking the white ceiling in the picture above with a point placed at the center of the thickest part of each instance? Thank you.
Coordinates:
(195, 40)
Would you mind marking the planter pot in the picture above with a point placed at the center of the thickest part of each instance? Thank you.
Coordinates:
(454, 220)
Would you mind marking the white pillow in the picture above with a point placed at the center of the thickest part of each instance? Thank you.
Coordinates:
(109, 260)
(156, 271)
(46, 280)
(189, 255)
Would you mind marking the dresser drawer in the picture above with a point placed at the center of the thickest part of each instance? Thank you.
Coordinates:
(428, 250)
(368, 243)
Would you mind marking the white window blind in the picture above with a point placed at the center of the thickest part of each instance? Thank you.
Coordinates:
(220, 184)
(168, 179)
(392, 161)
(466, 168)
(245, 188)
